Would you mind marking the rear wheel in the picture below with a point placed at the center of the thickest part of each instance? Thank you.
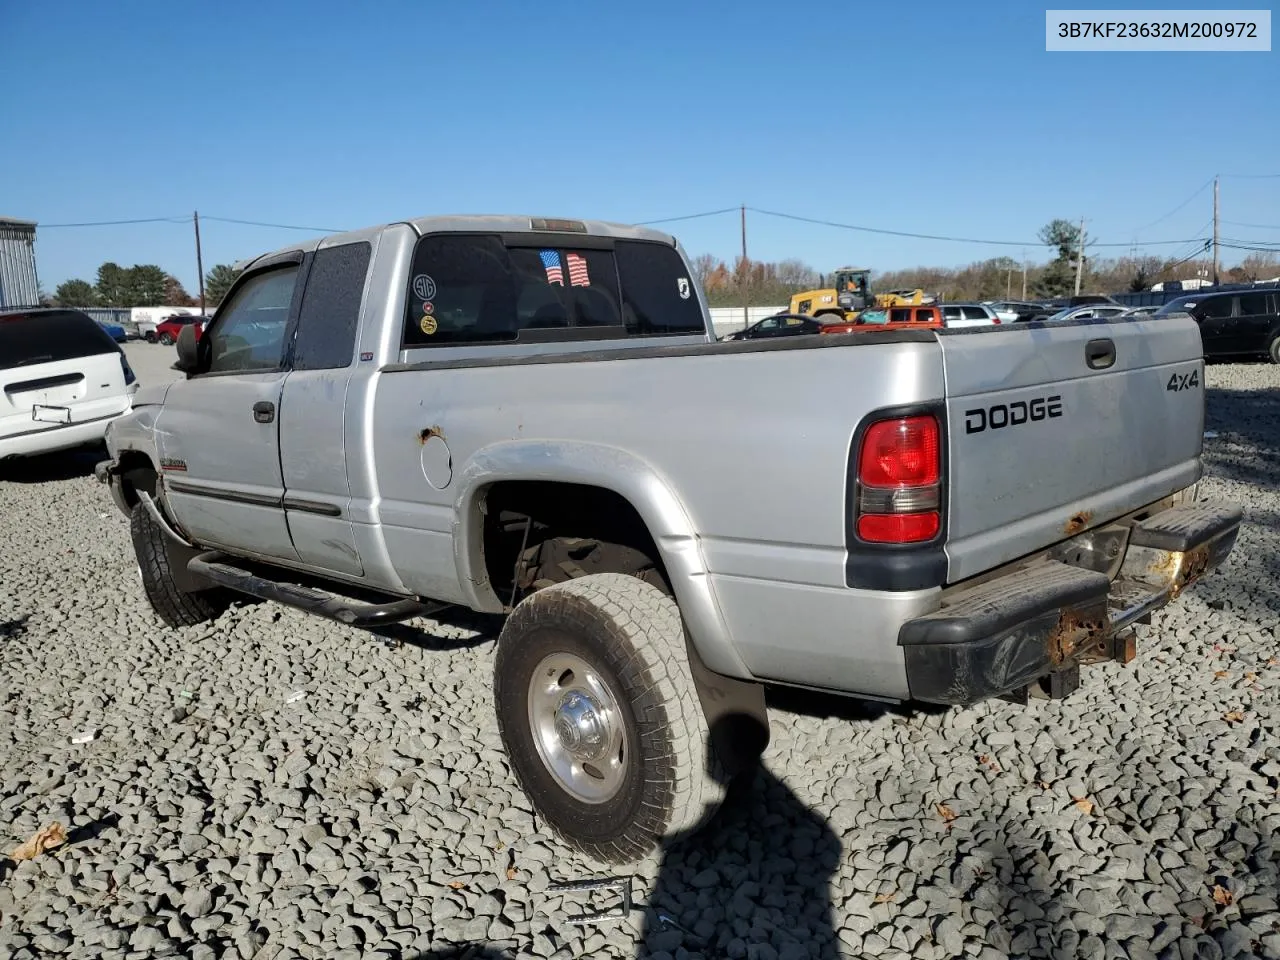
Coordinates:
(1274, 349)
(600, 718)
(174, 606)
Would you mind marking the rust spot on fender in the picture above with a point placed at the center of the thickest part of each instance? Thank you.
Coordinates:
(1078, 522)
(428, 432)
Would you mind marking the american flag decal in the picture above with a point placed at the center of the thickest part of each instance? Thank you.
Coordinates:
(551, 260)
(577, 270)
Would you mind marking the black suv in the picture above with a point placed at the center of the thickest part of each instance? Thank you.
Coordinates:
(1234, 324)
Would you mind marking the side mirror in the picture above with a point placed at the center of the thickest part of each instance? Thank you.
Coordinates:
(188, 353)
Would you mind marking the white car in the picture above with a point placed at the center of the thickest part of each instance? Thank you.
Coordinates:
(63, 379)
(968, 315)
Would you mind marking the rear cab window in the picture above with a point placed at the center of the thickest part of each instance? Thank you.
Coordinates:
(900, 315)
(487, 288)
(45, 336)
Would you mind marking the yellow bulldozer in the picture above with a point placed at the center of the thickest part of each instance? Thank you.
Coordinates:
(850, 294)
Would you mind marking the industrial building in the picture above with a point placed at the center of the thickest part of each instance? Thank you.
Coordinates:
(18, 284)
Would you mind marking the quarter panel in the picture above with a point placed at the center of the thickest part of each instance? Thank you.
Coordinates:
(752, 450)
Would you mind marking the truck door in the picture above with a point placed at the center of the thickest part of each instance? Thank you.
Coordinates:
(313, 451)
(218, 432)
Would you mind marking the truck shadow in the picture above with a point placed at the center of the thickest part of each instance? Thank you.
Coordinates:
(431, 633)
(52, 467)
(759, 873)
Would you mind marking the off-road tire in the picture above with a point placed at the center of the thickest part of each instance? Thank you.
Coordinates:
(632, 635)
(173, 606)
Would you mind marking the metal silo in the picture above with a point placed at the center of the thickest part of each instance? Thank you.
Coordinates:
(18, 284)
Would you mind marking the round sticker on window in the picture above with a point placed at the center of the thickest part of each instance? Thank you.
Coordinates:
(424, 288)
(428, 307)
(428, 325)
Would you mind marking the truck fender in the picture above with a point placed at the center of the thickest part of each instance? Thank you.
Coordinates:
(623, 473)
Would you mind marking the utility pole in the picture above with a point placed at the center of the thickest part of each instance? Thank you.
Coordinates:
(1008, 283)
(1080, 258)
(195, 218)
(1215, 231)
(1024, 274)
(746, 314)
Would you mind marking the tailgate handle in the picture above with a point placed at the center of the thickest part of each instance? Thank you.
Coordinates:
(1100, 354)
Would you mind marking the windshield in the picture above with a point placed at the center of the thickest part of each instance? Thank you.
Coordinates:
(1063, 314)
(1181, 305)
(873, 316)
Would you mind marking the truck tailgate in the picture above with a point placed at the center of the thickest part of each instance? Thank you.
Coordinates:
(1046, 438)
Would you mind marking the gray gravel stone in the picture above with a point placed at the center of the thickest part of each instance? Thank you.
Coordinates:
(337, 823)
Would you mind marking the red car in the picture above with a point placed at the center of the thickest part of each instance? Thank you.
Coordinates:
(167, 330)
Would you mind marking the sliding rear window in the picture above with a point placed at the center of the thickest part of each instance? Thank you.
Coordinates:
(45, 336)
(473, 289)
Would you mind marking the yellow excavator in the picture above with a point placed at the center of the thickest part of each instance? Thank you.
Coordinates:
(849, 295)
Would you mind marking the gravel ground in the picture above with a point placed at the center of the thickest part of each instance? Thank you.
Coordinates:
(277, 786)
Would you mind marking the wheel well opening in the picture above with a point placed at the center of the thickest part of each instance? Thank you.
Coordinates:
(537, 533)
(136, 473)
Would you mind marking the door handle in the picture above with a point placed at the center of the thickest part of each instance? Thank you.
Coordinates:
(264, 411)
(1100, 354)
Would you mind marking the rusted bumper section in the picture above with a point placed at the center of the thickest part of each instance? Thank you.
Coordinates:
(1029, 631)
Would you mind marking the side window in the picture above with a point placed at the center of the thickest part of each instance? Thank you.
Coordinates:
(900, 315)
(658, 296)
(924, 316)
(975, 313)
(1252, 304)
(1216, 307)
(330, 311)
(951, 313)
(249, 334)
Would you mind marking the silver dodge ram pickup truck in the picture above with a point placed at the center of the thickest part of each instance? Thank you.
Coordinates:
(532, 417)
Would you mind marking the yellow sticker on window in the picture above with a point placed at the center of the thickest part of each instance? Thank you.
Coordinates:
(428, 325)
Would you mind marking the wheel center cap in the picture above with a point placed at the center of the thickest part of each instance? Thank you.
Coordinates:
(579, 726)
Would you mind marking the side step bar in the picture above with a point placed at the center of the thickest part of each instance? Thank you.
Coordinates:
(354, 613)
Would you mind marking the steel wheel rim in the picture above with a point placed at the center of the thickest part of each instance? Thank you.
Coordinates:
(578, 728)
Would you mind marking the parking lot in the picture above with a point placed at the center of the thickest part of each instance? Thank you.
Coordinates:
(277, 786)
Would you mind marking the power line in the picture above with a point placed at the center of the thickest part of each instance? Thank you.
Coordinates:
(1252, 176)
(1199, 190)
(691, 216)
(113, 223)
(278, 226)
(1255, 226)
(930, 236)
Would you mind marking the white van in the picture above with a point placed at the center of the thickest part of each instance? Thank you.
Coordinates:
(62, 380)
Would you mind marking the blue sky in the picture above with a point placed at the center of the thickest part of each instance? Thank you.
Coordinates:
(936, 117)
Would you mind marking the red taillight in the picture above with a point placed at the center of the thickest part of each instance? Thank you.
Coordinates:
(901, 452)
(899, 527)
(899, 481)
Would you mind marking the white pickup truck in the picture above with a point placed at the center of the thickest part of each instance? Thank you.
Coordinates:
(532, 417)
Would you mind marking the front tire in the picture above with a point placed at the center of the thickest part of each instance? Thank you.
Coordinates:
(167, 339)
(1274, 349)
(600, 718)
(174, 606)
